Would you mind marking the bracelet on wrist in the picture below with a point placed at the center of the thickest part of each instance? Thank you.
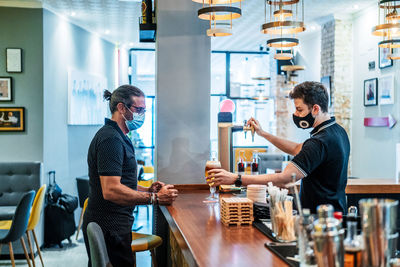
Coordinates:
(156, 198)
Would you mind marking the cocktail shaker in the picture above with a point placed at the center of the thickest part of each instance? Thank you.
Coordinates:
(328, 238)
(379, 231)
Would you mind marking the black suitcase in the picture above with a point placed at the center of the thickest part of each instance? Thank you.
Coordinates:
(59, 225)
(59, 219)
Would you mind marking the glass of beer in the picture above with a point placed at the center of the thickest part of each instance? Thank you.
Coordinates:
(212, 164)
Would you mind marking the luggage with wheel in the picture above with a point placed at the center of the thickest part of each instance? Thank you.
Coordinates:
(59, 219)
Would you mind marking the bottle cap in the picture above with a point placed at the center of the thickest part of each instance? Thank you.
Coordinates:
(338, 215)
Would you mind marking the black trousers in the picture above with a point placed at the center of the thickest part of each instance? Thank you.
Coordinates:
(118, 248)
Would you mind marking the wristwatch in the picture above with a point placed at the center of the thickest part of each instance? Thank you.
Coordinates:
(238, 181)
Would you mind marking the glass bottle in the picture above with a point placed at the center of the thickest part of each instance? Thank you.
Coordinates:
(352, 245)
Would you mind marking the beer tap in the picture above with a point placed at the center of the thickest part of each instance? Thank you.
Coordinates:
(248, 128)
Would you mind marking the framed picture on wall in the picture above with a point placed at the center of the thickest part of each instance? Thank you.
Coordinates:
(386, 90)
(371, 92)
(14, 59)
(326, 81)
(12, 119)
(5, 89)
(384, 62)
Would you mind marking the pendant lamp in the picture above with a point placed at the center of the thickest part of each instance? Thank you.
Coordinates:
(284, 19)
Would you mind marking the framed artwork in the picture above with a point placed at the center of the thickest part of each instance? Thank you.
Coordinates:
(371, 92)
(326, 81)
(14, 59)
(384, 62)
(85, 98)
(386, 90)
(12, 119)
(5, 89)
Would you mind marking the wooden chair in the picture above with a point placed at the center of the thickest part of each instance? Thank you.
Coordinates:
(34, 218)
(18, 227)
(143, 242)
(81, 218)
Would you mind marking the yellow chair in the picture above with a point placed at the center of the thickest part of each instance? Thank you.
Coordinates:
(34, 218)
(81, 219)
(147, 183)
(143, 242)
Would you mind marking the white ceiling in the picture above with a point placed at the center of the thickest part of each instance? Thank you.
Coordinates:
(120, 18)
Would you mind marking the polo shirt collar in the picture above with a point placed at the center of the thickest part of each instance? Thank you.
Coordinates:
(323, 125)
(115, 125)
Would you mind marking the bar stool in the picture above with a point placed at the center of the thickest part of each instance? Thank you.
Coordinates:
(81, 218)
(143, 242)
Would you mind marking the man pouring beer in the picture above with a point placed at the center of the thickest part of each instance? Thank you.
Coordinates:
(321, 161)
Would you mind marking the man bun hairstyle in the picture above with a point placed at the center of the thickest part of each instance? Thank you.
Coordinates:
(122, 94)
(312, 93)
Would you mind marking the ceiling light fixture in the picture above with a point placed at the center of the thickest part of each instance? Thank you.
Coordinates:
(285, 20)
(107, 31)
(388, 25)
(73, 14)
(220, 13)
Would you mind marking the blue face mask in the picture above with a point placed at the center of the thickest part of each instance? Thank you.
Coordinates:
(136, 122)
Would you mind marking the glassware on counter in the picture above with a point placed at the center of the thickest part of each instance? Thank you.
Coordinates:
(379, 230)
(281, 211)
(352, 245)
(327, 236)
(241, 165)
(304, 228)
(212, 164)
(254, 163)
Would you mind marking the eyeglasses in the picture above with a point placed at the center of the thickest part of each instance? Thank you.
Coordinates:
(139, 110)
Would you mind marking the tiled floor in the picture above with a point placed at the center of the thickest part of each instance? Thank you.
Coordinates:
(74, 254)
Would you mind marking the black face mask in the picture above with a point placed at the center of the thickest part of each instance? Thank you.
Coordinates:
(304, 122)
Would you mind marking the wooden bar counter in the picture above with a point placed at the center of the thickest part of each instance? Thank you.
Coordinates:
(198, 238)
(194, 236)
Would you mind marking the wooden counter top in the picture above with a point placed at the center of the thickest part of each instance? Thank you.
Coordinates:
(207, 242)
(372, 186)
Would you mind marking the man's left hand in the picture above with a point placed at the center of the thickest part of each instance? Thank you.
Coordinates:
(155, 187)
(221, 177)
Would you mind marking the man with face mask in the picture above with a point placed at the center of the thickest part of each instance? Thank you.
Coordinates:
(113, 176)
(321, 161)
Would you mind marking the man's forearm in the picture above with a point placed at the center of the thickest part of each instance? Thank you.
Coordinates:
(276, 178)
(125, 196)
(286, 146)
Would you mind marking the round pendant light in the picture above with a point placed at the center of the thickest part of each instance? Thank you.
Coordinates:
(218, 32)
(389, 25)
(219, 13)
(282, 14)
(283, 56)
(283, 27)
(392, 43)
(219, 10)
(282, 42)
(284, 19)
(292, 68)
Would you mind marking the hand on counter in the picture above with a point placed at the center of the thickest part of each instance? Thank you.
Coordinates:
(167, 195)
(156, 186)
(221, 177)
(255, 124)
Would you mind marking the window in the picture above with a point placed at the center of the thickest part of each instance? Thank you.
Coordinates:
(240, 76)
(142, 74)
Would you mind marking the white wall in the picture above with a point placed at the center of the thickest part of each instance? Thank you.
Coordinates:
(68, 46)
(373, 148)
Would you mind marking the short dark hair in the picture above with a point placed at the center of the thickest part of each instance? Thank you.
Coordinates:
(122, 94)
(312, 93)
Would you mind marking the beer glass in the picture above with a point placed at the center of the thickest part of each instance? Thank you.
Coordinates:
(212, 164)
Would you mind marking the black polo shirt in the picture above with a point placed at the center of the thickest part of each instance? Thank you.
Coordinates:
(111, 153)
(323, 160)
